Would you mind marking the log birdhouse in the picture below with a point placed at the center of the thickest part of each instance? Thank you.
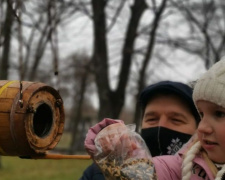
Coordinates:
(31, 118)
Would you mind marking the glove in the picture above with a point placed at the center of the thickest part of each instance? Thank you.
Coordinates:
(89, 142)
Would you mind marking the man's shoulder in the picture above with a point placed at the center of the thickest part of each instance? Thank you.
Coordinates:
(92, 172)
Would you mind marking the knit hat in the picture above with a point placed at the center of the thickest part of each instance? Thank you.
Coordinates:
(211, 86)
(180, 89)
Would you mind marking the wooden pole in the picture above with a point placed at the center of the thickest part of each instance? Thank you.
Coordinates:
(61, 156)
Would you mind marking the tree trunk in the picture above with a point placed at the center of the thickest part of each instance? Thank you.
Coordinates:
(100, 57)
(111, 102)
(147, 58)
(136, 12)
(6, 43)
(77, 113)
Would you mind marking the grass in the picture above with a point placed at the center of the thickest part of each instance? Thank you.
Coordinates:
(65, 140)
(15, 168)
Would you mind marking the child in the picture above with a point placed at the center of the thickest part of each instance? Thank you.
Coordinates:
(201, 158)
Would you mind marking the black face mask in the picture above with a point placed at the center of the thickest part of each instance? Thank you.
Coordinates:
(163, 141)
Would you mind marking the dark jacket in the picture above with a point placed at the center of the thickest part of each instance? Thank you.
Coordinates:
(93, 172)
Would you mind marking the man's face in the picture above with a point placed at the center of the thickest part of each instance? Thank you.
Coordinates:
(171, 112)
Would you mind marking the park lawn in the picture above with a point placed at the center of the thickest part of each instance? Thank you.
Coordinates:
(15, 168)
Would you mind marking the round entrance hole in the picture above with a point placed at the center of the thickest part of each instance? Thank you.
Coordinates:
(43, 120)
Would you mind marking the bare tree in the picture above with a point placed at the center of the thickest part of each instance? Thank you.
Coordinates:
(5, 37)
(77, 74)
(157, 11)
(112, 101)
(37, 24)
(205, 19)
(82, 76)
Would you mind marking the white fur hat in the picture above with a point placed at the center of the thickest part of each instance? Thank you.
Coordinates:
(211, 86)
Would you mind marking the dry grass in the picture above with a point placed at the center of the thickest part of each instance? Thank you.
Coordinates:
(15, 168)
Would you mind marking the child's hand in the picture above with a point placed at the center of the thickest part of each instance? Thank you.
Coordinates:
(118, 150)
(118, 141)
(93, 131)
(111, 138)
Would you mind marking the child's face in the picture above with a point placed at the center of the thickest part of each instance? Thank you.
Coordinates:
(211, 130)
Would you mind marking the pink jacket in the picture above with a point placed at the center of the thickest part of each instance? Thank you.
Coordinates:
(169, 167)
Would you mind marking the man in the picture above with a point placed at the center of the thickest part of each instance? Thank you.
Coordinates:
(169, 119)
